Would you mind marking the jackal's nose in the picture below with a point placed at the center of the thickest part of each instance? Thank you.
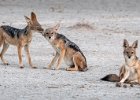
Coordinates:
(129, 56)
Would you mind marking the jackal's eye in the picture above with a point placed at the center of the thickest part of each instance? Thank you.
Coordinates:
(132, 52)
(47, 33)
(127, 52)
(51, 33)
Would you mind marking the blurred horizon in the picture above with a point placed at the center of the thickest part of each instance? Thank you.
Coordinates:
(94, 5)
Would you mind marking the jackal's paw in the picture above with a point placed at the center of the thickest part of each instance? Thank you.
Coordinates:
(6, 63)
(49, 66)
(33, 66)
(68, 69)
(131, 85)
(125, 86)
(118, 84)
(21, 67)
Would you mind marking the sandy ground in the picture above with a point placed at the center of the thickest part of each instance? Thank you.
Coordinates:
(98, 33)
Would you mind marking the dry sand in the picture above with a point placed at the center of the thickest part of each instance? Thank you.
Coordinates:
(98, 27)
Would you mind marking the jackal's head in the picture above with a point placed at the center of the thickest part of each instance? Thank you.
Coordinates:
(130, 51)
(50, 32)
(33, 23)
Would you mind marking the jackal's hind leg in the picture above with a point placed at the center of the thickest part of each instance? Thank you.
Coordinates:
(4, 49)
(75, 61)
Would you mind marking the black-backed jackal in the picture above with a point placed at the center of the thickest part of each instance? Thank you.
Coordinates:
(19, 37)
(130, 71)
(65, 50)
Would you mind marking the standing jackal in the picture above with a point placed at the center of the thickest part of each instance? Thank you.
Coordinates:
(19, 37)
(65, 49)
(130, 71)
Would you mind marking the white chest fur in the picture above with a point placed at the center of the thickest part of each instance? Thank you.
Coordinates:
(132, 72)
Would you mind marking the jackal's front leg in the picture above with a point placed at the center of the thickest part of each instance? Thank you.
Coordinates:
(28, 56)
(4, 49)
(20, 56)
(126, 75)
(53, 60)
(62, 54)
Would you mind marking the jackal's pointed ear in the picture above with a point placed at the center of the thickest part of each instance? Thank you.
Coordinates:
(33, 16)
(56, 27)
(27, 19)
(125, 43)
(135, 44)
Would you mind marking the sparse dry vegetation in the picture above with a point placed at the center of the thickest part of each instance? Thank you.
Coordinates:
(83, 25)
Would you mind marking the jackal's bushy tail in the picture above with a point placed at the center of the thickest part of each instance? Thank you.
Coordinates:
(111, 78)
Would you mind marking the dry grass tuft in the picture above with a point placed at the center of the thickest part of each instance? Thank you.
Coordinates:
(82, 25)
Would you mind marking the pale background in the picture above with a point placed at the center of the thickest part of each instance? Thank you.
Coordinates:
(98, 27)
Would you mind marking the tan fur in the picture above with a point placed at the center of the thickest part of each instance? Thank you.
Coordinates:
(64, 52)
(130, 71)
(22, 41)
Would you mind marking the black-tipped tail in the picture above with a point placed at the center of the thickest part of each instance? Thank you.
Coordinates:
(111, 78)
